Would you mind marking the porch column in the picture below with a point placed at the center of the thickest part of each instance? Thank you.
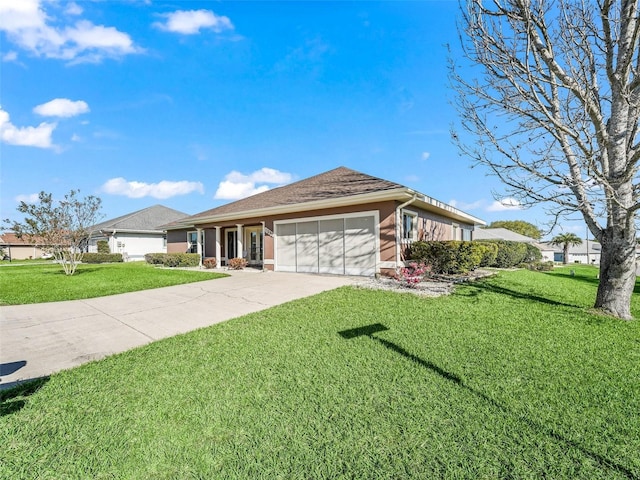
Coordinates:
(199, 245)
(239, 243)
(218, 261)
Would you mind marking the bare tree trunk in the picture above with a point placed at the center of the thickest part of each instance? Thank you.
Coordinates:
(565, 254)
(617, 272)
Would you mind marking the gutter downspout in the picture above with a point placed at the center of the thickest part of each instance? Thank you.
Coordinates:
(399, 228)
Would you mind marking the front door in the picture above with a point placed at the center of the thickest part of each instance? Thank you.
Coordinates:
(232, 242)
(254, 242)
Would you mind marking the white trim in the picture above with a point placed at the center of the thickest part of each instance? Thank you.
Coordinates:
(269, 262)
(369, 213)
(414, 225)
(247, 241)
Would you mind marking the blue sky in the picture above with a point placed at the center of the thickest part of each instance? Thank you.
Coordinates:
(195, 104)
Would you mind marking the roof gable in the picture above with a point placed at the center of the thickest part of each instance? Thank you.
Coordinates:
(147, 219)
(337, 183)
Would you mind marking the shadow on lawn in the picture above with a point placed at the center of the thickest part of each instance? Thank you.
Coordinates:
(584, 279)
(369, 330)
(14, 399)
(477, 287)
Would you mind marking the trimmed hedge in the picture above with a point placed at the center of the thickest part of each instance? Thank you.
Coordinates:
(102, 258)
(450, 257)
(489, 254)
(173, 259)
(103, 246)
(510, 254)
(455, 257)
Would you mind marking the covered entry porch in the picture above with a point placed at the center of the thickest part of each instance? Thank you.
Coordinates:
(225, 242)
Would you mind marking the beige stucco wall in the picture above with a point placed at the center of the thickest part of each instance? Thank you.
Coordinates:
(23, 252)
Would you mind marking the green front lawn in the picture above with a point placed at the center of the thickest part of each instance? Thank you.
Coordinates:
(22, 284)
(510, 377)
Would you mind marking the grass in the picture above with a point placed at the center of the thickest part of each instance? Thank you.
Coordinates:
(509, 377)
(25, 284)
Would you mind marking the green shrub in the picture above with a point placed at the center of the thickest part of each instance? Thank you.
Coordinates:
(103, 246)
(449, 257)
(510, 254)
(237, 263)
(538, 266)
(173, 259)
(489, 253)
(102, 258)
(533, 254)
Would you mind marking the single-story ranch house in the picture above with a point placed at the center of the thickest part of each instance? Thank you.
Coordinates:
(21, 248)
(339, 222)
(136, 234)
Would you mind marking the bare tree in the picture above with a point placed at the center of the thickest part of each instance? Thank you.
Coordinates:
(63, 229)
(554, 115)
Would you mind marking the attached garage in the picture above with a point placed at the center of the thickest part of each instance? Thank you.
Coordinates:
(345, 245)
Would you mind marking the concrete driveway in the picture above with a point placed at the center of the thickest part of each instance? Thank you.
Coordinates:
(41, 339)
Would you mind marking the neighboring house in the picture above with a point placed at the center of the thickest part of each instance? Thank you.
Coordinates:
(137, 233)
(546, 250)
(587, 252)
(20, 248)
(339, 222)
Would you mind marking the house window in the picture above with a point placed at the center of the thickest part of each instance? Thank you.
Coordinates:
(455, 231)
(409, 226)
(192, 242)
(466, 235)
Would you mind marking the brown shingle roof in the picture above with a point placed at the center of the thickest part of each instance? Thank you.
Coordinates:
(10, 238)
(336, 183)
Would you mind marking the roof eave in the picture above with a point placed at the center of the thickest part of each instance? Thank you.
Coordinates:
(401, 194)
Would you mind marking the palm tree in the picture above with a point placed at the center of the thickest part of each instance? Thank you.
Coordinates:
(566, 240)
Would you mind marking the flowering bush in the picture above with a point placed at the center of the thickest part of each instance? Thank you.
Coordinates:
(413, 274)
(237, 263)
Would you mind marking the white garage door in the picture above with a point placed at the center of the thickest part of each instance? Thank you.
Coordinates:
(345, 246)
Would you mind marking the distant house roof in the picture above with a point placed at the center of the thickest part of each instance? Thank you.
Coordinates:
(10, 238)
(146, 220)
(340, 185)
(501, 234)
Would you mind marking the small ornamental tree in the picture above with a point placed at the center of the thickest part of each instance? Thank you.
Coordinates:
(60, 228)
(566, 240)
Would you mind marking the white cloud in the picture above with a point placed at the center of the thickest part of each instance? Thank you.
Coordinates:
(425, 155)
(189, 22)
(10, 56)
(504, 205)
(162, 190)
(237, 185)
(39, 136)
(467, 206)
(76, 138)
(62, 107)
(28, 25)
(235, 191)
(28, 198)
(73, 9)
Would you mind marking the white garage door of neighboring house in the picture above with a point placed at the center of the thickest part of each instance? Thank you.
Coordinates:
(339, 245)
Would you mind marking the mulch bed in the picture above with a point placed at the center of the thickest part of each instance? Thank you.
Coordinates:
(432, 286)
